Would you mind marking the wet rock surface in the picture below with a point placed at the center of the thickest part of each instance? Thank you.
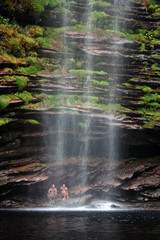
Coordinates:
(127, 180)
(28, 164)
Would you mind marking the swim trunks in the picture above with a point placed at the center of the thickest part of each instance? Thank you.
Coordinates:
(52, 195)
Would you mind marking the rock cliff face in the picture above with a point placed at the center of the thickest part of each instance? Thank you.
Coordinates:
(29, 165)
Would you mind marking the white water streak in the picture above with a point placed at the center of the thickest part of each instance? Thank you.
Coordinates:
(120, 8)
(88, 89)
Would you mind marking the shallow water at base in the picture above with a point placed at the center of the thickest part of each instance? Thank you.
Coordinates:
(73, 225)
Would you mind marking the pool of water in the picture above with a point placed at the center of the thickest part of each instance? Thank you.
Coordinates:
(32, 224)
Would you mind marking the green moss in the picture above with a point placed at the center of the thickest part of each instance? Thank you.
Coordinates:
(34, 61)
(74, 44)
(34, 31)
(46, 42)
(147, 39)
(77, 100)
(16, 45)
(155, 67)
(149, 124)
(31, 106)
(19, 47)
(28, 42)
(12, 59)
(3, 20)
(78, 28)
(155, 43)
(8, 70)
(152, 101)
(84, 72)
(127, 84)
(52, 38)
(148, 98)
(100, 5)
(54, 33)
(155, 55)
(12, 161)
(109, 33)
(21, 82)
(24, 96)
(155, 105)
(4, 121)
(4, 101)
(82, 125)
(100, 19)
(12, 114)
(147, 89)
(74, 22)
(28, 70)
(32, 121)
(152, 8)
(113, 108)
(143, 47)
(100, 83)
(34, 6)
(79, 64)
(67, 100)
(44, 165)
(68, 62)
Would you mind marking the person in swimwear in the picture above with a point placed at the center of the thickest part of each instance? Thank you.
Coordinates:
(64, 192)
(52, 194)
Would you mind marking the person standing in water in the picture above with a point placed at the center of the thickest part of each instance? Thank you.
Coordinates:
(64, 192)
(52, 194)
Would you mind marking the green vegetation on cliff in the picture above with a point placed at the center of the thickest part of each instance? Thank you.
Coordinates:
(35, 6)
(22, 62)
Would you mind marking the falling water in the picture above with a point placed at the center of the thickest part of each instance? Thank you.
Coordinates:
(66, 121)
(61, 120)
(87, 88)
(120, 8)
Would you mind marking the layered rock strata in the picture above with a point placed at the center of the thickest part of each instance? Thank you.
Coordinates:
(28, 162)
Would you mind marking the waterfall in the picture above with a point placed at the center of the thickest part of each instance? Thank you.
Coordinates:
(72, 136)
(120, 8)
(58, 121)
(87, 89)
(62, 119)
